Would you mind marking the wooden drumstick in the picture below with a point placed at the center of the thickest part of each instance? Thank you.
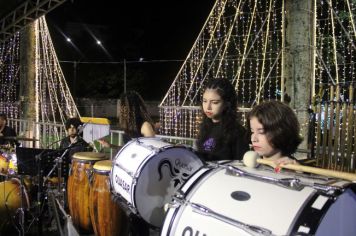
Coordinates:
(251, 159)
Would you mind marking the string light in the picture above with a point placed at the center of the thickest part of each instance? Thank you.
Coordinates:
(240, 40)
(53, 100)
(10, 76)
(252, 61)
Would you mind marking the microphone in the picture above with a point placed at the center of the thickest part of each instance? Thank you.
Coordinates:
(81, 128)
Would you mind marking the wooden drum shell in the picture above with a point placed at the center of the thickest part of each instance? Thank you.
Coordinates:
(78, 189)
(106, 215)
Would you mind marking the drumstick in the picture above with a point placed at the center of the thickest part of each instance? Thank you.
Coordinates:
(251, 159)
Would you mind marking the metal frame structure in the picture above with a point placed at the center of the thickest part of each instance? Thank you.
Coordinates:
(25, 14)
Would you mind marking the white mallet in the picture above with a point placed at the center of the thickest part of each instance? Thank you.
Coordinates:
(251, 159)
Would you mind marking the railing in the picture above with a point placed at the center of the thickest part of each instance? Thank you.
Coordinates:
(37, 134)
(334, 127)
(48, 135)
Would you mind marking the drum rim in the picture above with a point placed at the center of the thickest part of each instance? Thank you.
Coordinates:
(205, 171)
(89, 156)
(88, 160)
(17, 182)
(103, 166)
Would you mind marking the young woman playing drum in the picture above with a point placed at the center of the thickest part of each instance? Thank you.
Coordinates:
(221, 137)
(136, 122)
(134, 118)
(274, 132)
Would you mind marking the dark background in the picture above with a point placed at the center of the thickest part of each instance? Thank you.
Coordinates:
(153, 37)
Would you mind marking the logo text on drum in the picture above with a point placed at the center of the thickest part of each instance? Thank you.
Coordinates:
(182, 165)
(125, 186)
(188, 231)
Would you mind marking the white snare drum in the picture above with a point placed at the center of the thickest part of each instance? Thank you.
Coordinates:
(146, 173)
(216, 202)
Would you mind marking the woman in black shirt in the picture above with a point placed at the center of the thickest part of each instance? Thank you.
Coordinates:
(221, 136)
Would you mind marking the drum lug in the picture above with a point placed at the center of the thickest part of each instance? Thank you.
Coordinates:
(172, 205)
(89, 173)
(134, 180)
(178, 198)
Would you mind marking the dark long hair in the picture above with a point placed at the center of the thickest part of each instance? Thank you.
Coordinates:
(280, 124)
(228, 118)
(76, 122)
(132, 113)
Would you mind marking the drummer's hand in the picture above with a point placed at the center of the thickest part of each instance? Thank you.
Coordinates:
(283, 161)
(104, 143)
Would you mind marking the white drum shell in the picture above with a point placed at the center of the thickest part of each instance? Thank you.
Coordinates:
(147, 172)
(270, 206)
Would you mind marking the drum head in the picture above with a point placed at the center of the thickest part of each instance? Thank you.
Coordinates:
(10, 198)
(340, 219)
(90, 156)
(102, 166)
(159, 179)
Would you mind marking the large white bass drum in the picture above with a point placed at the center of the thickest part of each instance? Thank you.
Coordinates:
(147, 172)
(228, 200)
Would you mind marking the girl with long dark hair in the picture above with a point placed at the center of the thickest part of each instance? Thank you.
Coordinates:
(221, 136)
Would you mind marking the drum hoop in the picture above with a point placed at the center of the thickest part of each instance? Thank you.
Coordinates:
(151, 147)
(105, 165)
(91, 156)
(303, 211)
(87, 160)
(206, 171)
(17, 182)
(135, 180)
(101, 172)
(133, 186)
(192, 181)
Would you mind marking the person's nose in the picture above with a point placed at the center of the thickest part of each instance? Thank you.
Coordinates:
(254, 138)
(209, 106)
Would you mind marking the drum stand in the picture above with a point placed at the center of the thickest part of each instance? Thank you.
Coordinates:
(41, 183)
(39, 193)
(52, 199)
(58, 195)
(60, 186)
(20, 211)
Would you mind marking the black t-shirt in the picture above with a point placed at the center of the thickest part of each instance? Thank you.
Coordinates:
(79, 146)
(8, 132)
(232, 150)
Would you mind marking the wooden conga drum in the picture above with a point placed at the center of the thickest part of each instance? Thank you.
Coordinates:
(106, 215)
(78, 188)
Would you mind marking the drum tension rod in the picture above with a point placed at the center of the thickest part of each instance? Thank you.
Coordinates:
(290, 183)
(179, 200)
(252, 229)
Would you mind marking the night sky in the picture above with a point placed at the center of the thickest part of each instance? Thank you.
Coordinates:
(159, 33)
